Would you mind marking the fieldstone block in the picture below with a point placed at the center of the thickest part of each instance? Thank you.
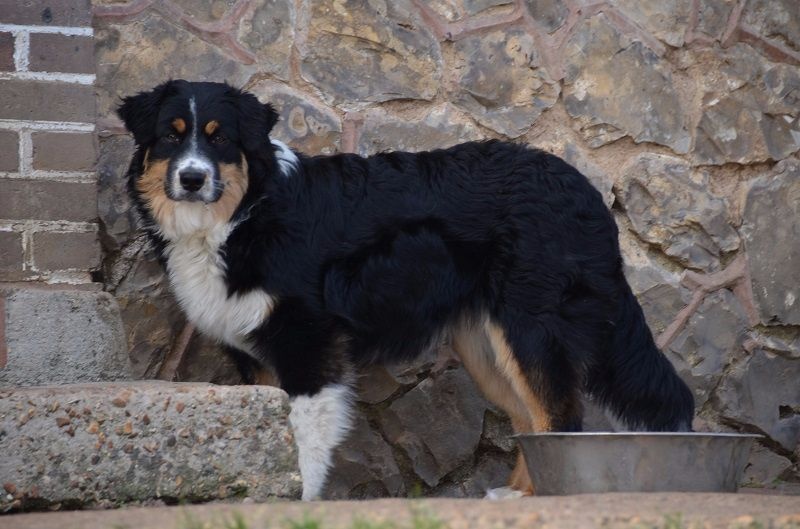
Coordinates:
(63, 336)
(501, 81)
(664, 19)
(139, 56)
(364, 466)
(438, 129)
(438, 424)
(616, 86)
(103, 444)
(771, 232)
(551, 14)
(671, 206)
(304, 125)
(750, 108)
(268, 31)
(361, 51)
(711, 341)
(775, 19)
(761, 394)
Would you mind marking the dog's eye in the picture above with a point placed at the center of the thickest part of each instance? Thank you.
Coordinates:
(219, 139)
(173, 138)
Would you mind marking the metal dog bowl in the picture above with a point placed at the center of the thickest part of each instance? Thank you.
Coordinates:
(575, 463)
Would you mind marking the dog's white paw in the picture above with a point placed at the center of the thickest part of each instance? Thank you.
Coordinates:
(503, 493)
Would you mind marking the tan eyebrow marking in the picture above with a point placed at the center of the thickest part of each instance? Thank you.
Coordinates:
(211, 126)
(179, 125)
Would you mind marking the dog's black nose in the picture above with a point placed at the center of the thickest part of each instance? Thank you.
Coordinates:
(192, 180)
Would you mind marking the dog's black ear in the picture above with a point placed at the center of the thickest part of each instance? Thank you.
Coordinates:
(139, 113)
(256, 120)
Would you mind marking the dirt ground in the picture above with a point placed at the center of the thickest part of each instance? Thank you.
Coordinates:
(608, 511)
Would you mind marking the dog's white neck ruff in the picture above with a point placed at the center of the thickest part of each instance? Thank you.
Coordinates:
(197, 273)
(197, 270)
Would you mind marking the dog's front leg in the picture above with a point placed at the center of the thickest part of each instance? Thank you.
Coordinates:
(310, 356)
(320, 421)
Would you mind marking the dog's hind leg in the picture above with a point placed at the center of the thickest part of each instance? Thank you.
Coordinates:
(472, 345)
(635, 381)
(540, 373)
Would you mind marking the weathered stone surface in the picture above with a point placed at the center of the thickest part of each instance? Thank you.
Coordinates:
(353, 55)
(376, 384)
(711, 341)
(616, 86)
(114, 208)
(437, 424)
(764, 467)
(775, 19)
(670, 205)
(452, 10)
(488, 473)
(364, 466)
(712, 16)
(206, 11)
(473, 7)
(771, 233)
(268, 30)
(501, 81)
(109, 443)
(761, 392)
(134, 57)
(602, 181)
(551, 14)
(664, 19)
(79, 338)
(439, 128)
(304, 125)
(750, 108)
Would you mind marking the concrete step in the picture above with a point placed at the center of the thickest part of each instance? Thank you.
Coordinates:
(606, 511)
(104, 444)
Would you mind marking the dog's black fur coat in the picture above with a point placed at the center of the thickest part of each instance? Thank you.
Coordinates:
(371, 259)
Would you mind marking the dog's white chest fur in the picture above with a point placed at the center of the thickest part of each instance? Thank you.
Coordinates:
(196, 271)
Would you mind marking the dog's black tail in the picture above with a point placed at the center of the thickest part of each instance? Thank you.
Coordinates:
(635, 381)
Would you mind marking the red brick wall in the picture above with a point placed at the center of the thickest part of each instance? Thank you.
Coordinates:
(48, 195)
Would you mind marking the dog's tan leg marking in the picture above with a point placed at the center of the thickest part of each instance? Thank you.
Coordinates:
(508, 365)
(476, 353)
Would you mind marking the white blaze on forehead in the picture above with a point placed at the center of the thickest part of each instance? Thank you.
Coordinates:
(193, 159)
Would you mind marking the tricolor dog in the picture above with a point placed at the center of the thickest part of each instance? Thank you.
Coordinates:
(312, 266)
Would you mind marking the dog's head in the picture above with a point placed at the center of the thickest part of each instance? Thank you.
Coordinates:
(195, 144)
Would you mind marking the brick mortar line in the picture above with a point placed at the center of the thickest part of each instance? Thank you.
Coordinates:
(73, 277)
(60, 77)
(81, 31)
(25, 152)
(22, 50)
(77, 177)
(55, 126)
(47, 226)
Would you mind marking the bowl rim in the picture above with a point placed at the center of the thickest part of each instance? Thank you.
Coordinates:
(640, 434)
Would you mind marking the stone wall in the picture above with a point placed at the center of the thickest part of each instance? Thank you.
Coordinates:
(684, 113)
